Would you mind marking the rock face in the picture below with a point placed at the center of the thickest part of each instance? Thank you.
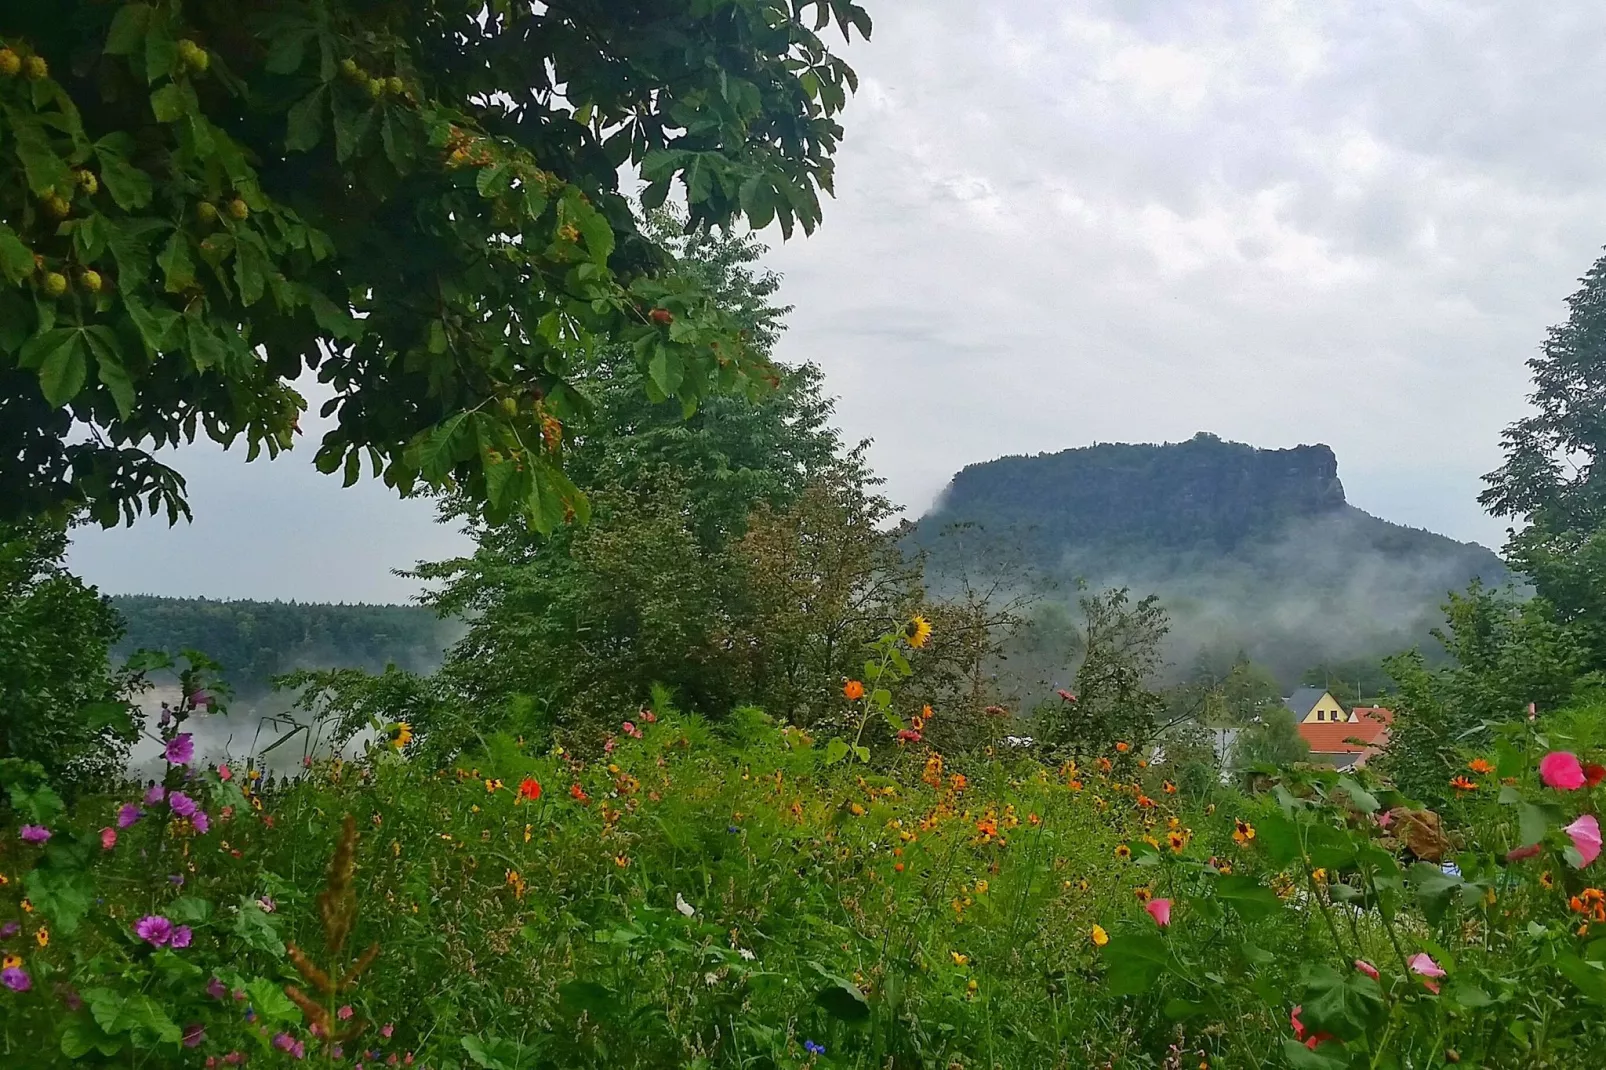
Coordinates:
(1250, 549)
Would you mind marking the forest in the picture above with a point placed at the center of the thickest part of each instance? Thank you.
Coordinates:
(702, 757)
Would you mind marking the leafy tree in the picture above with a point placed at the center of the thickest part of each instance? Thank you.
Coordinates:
(60, 705)
(417, 203)
(1122, 652)
(1553, 478)
(1272, 740)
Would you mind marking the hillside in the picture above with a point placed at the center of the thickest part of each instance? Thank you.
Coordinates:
(255, 641)
(1250, 549)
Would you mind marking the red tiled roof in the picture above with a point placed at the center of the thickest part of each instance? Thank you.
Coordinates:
(1381, 714)
(1347, 737)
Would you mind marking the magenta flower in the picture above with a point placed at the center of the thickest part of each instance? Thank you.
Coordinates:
(194, 1033)
(216, 989)
(127, 814)
(224, 774)
(1585, 834)
(1160, 911)
(386, 1030)
(201, 822)
(15, 979)
(9, 929)
(182, 804)
(1422, 963)
(1560, 769)
(1367, 968)
(154, 929)
(201, 699)
(182, 937)
(35, 834)
(180, 749)
(344, 1013)
(155, 795)
(108, 838)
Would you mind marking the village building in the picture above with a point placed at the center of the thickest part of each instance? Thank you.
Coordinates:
(1338, 737)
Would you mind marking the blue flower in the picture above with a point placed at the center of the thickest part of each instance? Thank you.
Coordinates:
(732, 829)
(813, 1048)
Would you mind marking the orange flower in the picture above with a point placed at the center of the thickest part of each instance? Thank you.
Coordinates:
(1143, 893)
(1481, 766)
(1243, 831)
(1104, 765)
(530, 789)
(1461, 783)
(853, 690)
(1123, 852)
(1170, 788)
(1123, 746)
(578, 794)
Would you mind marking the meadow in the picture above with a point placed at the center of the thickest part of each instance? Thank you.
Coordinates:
(737, 895)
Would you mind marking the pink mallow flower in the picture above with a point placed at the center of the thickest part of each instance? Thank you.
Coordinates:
(1422, 963)
(16, 979)
(182, 937)
(1585, 834)
(34, 834)
(180, 749)
(1560, 769)
(108, 838)
(154, 929)
(127, 814)
(155, 795)
(1160, 911)
(1367, 968)
(202, 823)
(182, 804)
(194, 1033)
(224, 773)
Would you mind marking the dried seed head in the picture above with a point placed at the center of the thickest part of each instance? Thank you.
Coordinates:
(358, 967)
(310, 970)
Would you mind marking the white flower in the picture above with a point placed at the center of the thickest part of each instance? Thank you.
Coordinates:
(683, 906)
(746, 954)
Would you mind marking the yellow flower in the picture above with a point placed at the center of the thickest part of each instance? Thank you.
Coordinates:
(43, 937)
(1123, 852)
(400, 734)
(27, 907)
(1176, 841)
(1242, 831)
(1100, 937)
(981, 887)
(11, 962)
(856, 810)
(492, 786)
(960, 960)
(527, 833)
(917, 631)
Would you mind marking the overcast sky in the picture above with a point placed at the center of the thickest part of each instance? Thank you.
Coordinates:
(1064, 221)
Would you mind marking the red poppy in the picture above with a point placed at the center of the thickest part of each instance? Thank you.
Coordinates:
(529, 788)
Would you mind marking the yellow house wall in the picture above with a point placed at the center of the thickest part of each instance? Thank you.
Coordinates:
(1329, 709)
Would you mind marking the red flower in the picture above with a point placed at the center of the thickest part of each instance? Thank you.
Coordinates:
(1299, 1030)
(1517, 854)
(529, 788)
(908, 735)
(1594, 773)
(578, 794)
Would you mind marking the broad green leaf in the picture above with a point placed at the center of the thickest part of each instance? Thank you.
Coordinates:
(82, 1036)
(666, 371)
(1587, 977)
(16, 262)
(1363, 800)
(304, 124)
(1303, 1058)
(835, 751)
(110, 370)
(590, 997)
(169, 104)
(843, 1001)
(1343, 1004)
(255, 928)
(1133, 963)
(46, 172)
(1247, 896)
(64, 370)
(1532, 824)
(134, 1013)
(178, 268)
(129, 186)
(269, 1001)
(127, 32)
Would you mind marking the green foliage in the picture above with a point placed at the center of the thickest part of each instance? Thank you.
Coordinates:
(1121, 653)
(1272, 740)
(61, 707)
(420, 205)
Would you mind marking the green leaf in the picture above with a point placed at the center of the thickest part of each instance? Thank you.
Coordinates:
(61, 894)
(1343, 1004)
(304, 124)
(169, 103)
(1134, 963)
(1247, 896)
(157, 327)
(835, 751)
(843, 1001)
(127, 31)
(270, 1002)
(498, 1053)
(1587, 977)
(129, 186)
(39, 804)
(255, 928)
(252, 266)
(589, 997)
(189, 909)
(666, 371)
(110, 370)
(16, 262)
(862, 753)
(64, 370)
(881, 698)
(1279, 838)
(136, 1014)
(82, 1036)
(1532, 824)
(1303, 1058)
(1363, 800)
(46, 172)
(351, 126)
(178, 268)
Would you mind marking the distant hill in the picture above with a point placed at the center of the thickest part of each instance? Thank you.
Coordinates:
(255, 641)
(1248, 548)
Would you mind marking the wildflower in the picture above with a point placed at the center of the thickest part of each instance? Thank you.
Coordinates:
(180, 749)
(1104, 764)
(216, 988)
(194, 1034)
(1422, 963)
(1594, 773)
(224, 773)
(1242, 831)
(959, 959)
(578, 794)
(15, 978)
(1461, 783)
(622, 861)
(1176, 841)
(1065, 696)
(958, 782)
(649, 716)
(11, 961)
(127, 814)
(1517, 854)
(684, 907)
(182, 937)
(908, 735)
(1481, 766)
(528, 832)
(42, 936)
(201, 823)
(155, 795)
(10, 929)
(35, 834)
(1546, 881)
(981, 887)
(1367, 968)
(1122, 746)
(154, 930)
(631, 730)
(400, 733)
(1170, 788)
(917, 631)
(1143, 893)
(387, 1029)
(1299, 1029)
(529, 789)
(181, 804)
(1160, 911)
(1560, 770)
(344, 1013)
(813, 1048)
(108, 838)
(853, 690)
(1585, 834)
(1100, 937)
(492, 786)
(1123, 852)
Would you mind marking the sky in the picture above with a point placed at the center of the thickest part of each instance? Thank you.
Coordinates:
(1061, 222)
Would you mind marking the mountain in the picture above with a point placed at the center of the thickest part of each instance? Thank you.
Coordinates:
(1250, 549)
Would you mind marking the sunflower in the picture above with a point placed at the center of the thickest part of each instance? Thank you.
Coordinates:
(11, 962)
(400, 733)
(917, 631)
(1123, 852)
(1176, 841)
(1243, 831)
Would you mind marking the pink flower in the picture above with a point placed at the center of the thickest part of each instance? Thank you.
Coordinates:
(154, 929)
(1065, 695)
(1517, 854)
(1560, 769)
(34, 834)
(180, 749)
(1367, 968)
(344, 1013)
(1385, 819)
(127, 814)
(1160, 911)
(1585, 834)
(202, 823)
(386, 1030)
(224, 773)
(155, 795)
(631, 730)
(194, 1033)
(15, 979)
(182, 936)
(649, 716)
(216, 989)
(1422, 963)
(182, 804)
(108, 838)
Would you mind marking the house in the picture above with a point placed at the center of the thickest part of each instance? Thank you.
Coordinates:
(1340, 738)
